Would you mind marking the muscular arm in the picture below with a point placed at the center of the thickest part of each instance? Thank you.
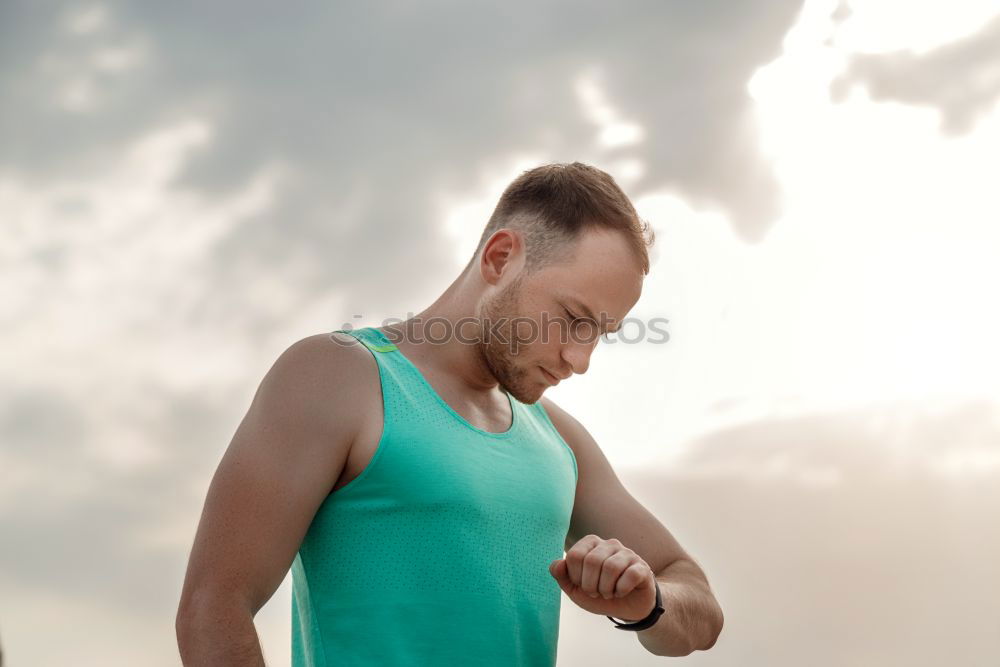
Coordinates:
(604, 507)
(283, 461)
(693, 618)
(221, 634)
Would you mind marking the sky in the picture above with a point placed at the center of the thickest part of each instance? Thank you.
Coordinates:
(185, 190)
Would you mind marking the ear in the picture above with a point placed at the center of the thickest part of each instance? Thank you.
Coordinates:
(503, 253)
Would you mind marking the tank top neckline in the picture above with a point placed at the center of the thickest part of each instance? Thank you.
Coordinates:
(389, 346)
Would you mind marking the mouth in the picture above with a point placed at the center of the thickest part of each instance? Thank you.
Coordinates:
(552, 379)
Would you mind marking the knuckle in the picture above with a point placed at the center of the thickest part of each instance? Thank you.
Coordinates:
(621, 557)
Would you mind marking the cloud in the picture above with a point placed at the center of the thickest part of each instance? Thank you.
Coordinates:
(385, 104)
(185, 190)
(836, 538)
(961, 79)
(876, 443)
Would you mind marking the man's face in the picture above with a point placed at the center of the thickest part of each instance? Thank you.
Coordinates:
(528, 328)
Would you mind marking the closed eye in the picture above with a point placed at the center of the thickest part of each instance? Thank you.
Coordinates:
(573, 318)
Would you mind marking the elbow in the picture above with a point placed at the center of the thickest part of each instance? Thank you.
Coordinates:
(185, 626)
(200, 610)
(183, 620)
(718, 621)
(187, 615)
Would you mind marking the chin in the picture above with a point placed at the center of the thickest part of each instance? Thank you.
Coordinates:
(523, 394)
(528, 400)
(528, 396)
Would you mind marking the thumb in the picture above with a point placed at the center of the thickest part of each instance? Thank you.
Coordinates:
(560, 573)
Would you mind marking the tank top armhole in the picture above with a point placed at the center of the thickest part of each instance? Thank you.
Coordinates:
(380, 447)
(545, 417)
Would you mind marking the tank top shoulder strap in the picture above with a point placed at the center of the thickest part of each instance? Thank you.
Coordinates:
(371, 338)
(405, 385)
(398, 375)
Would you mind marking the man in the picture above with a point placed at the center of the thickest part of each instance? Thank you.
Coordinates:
(420, 486)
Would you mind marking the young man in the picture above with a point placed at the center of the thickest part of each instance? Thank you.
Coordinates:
(421, 488)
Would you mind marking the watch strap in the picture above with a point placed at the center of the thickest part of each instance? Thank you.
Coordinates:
(647, 622)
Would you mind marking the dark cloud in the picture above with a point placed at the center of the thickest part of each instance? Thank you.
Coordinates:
(378, 107)
(961, 79)
(381, 105)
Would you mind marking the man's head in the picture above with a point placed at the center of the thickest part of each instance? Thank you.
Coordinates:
(562, 262)
(552, 204)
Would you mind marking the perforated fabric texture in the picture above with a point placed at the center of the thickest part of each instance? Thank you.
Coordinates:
(438, 552)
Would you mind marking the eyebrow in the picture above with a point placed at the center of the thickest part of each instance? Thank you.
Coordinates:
(580, 305)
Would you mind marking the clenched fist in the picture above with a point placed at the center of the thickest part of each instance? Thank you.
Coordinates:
(606, 577)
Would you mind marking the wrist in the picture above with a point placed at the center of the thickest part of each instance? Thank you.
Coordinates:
(649, 620)
(636, 620)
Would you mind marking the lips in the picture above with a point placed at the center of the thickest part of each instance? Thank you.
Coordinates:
(552, 379)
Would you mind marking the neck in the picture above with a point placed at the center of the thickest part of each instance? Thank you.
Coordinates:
(431, 339)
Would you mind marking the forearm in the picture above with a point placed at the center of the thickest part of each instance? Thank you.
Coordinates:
(221, 635)
(692, 619)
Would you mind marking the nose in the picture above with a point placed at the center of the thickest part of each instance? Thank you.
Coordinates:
(577, 356)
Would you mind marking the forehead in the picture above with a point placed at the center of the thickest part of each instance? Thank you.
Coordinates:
(602, 274)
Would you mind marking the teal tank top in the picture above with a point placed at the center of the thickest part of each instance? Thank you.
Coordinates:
(438, 552)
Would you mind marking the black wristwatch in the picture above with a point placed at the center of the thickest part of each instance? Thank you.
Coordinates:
(649, 620)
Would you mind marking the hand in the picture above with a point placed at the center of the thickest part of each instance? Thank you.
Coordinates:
(606, 577)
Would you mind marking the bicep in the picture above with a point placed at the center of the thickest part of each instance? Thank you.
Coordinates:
(282, 462)
(604, 507)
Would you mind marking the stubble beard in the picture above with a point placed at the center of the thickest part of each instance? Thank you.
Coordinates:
(496, 352)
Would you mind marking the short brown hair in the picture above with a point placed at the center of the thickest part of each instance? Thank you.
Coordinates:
(552, 204)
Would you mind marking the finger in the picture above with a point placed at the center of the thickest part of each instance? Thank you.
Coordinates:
(557, 569)
(633, 576)
(612, 569)
(593, 563)
(575, 555)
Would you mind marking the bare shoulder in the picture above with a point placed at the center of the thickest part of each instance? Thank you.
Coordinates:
(592, 464)
(318, 353)
(284, 459)
(553, 410)
(326, 347)
(602, 505)
(323, 377)
(571, 430)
